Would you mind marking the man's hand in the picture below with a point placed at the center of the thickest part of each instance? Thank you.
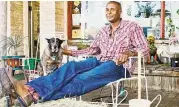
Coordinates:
(124, 57)
(67, 52)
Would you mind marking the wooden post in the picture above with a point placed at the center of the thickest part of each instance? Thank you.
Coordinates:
(69, 19)
(162, 20)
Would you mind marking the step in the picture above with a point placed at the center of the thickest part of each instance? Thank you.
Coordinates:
(158, 77)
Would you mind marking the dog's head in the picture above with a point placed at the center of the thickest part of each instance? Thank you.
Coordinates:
(54, 44)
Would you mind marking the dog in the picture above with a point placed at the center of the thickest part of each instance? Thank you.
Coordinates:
(52, 56)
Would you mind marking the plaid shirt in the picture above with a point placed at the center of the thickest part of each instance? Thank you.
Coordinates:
(107, 46)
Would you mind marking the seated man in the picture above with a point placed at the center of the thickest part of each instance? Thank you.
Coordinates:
(113, 45)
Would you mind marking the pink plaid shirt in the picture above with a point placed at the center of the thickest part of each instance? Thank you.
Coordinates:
(127, 36)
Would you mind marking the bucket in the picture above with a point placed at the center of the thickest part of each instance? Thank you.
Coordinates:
(165, 60)
(174, 62)
(143, 102)
(30, 63)
(139, 103)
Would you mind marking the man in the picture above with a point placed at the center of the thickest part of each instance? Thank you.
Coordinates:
(115, 42)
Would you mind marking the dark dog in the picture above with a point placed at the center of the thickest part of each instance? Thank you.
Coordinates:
(52, 55)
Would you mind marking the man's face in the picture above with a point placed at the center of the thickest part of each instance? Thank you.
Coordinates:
(113, 12)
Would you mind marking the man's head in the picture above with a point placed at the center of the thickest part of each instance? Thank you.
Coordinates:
(113, 11)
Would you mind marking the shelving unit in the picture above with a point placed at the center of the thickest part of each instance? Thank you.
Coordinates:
(74, 20)
(15, 62)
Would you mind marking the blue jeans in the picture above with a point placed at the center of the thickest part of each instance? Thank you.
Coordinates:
(77, 78)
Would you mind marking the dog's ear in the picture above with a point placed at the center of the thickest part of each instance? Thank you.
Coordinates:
(60, 41)
(48, 40)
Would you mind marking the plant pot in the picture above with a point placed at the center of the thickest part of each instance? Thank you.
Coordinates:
(143, 14)
(153, 52)
(148, 14)
(174, 62)
(165, 60)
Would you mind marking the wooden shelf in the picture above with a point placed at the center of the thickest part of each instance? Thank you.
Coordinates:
(76, 27)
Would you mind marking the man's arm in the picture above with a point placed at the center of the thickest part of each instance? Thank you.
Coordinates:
(139, 43)
(93, 49)
(67, 52)
(125, 56)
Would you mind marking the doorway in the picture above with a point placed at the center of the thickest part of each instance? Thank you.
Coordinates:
(34, 28)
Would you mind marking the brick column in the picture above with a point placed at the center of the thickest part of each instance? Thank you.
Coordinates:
(3, 27)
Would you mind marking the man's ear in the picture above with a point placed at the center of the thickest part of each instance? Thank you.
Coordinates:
(120, 11)
(48, 40)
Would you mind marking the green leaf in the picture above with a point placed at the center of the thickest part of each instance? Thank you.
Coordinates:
(12, 42)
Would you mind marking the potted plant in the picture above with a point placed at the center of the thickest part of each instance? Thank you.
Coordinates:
(153, 49)
(12, 45)
(145, 10)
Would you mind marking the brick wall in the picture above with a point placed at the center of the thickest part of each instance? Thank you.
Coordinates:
(36, 17)
(59, 16)
(16, 18)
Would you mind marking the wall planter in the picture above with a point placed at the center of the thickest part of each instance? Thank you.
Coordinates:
(14, 61)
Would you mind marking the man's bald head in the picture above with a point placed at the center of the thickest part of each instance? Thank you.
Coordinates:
(113, 11)
(116, 3)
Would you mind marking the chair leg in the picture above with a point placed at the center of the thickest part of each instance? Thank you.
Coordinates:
(122, 89)
(120, 92)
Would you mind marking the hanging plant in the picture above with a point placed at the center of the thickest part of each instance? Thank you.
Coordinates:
(171, 26)
(129, 9)
(178, 14)
(178, 11)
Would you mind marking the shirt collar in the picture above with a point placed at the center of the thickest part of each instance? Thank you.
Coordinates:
(119, 26)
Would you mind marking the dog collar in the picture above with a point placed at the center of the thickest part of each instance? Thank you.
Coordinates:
(53, 57)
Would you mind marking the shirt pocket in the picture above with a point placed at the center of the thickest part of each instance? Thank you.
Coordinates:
(122, 46)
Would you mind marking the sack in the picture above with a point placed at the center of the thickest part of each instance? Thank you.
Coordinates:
(5, 83)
